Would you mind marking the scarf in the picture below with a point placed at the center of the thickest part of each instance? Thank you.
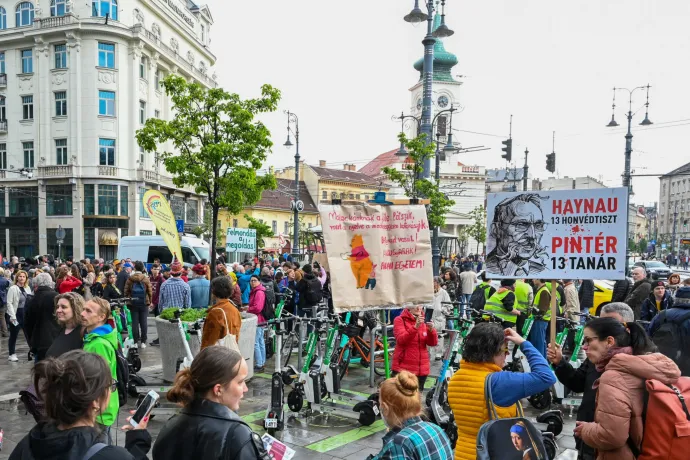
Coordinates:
(613, 351)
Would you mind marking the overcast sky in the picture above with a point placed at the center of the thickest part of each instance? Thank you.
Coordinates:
(346, 67)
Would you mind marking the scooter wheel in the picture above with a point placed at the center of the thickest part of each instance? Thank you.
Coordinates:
(430, 396)
(555, 424)
(296, 400)
(366, 415)
(541, 401)
(136, 364)
(551, 448)
(132, 389)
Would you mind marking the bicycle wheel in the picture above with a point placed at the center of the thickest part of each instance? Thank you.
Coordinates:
(380, 364)
(286, 350)
(343, 356)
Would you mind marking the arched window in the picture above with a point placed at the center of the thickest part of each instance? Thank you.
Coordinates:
(58, 7)
(3, 18)
(103, 7)
(25, 14)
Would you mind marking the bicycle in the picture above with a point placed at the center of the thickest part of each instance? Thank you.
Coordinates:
(357, 345)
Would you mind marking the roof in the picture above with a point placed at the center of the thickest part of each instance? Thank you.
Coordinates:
(499, 175)
(343, 175)
(444, 61)
(375, 166)
(281, 197)
(683, 169)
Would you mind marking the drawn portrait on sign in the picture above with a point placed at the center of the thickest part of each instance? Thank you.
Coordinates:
(515, 237)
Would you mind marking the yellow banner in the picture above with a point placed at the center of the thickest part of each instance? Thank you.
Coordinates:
(161, 215)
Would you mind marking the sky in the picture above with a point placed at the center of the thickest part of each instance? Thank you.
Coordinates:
(345, 68)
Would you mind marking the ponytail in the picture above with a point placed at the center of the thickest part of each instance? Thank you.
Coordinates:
(639, 340)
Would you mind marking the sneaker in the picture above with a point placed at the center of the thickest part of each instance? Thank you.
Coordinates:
(13, 358)
(155, 343)
(142, 345)
(259, 370)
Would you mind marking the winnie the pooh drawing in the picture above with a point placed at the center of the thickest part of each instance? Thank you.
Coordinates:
(360, 263)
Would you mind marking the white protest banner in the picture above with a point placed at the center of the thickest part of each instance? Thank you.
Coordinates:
(379, 256)
(557, 234)
(240, 240)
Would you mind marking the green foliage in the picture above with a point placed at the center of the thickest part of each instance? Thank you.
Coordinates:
(188, 314)
(478, 228)
(410, 180)
(642, 246)
(218, 144)
(262, 230)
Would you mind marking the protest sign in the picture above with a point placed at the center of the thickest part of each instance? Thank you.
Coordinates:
(240, 240)
(557, 234)
(379, 256)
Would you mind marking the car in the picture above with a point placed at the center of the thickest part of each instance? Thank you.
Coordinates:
(655, 270)
(603, 293)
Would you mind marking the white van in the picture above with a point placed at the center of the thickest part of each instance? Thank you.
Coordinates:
(149, 248)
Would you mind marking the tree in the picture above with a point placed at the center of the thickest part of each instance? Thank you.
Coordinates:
(642, 246)
(219, 145)
(478, 228)
(205, 228)
(262, 231)
(409, 179)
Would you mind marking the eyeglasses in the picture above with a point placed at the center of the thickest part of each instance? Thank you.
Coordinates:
(505, 350)
(588, 340)
(113, 386)
(523, 226)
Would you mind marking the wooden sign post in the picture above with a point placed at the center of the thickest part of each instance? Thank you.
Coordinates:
(554, 302)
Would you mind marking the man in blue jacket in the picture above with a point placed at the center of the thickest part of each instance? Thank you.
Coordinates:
(678, 316)
(243, 280)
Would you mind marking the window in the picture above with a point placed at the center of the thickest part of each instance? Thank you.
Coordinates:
(142, 208)
(104, 7)
(324, 195)
(27, 61)
(3, 161)
(366, 197)
(61, 151)
(107, 200)
(145, 232)
(106, 103)
(141, 156)
(3, 20)
(274, 227)
(3, 109)
(61, 104)
(58, 200)
(2, 62)
(61, 56)
(234, 223)
(124, 200)
(27, 107)
(286, 228)
(156, 114)
(25, 14)
(58, 7)
(309, 225)
(89, 200)
(24, 202)
(142, 112)
(203, 34)
(90, 242)
(192, 215)
(106, 55)
(28, 154)
(106, 151)
(143, 63)
(157, 80)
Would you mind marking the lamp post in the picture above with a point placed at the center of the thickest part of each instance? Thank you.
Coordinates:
(415, 17)
(673, 238)
(628, 155)
(292, 120)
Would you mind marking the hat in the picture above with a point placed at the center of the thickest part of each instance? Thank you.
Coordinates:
(127, 265)
(682, 296)
(175, 266)
(657, 284)
(199, 269)
(116, 262)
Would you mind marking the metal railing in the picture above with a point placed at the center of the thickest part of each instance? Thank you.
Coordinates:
(3, 126)
(54, 21)
(57, 171)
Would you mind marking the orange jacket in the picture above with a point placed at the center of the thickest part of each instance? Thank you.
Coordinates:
(214, 326)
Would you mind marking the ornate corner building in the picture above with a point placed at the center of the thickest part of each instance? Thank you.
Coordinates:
(77, 80)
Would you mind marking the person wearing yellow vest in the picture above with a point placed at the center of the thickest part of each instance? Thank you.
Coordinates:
(503, 305)
(484, 353)
(542, 301)
(524, 298)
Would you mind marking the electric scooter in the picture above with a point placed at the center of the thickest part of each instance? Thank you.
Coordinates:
(129, 348)
(275, 416)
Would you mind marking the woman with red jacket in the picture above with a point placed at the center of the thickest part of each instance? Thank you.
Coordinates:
(412, 336)
(257, 296)
(70, 282)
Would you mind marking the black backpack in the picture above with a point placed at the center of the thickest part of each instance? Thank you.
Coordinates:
(478, 297)
(122, 372)
(138, 294)
(672, 342)
(81, 290)
(314, 294)
(269, 310)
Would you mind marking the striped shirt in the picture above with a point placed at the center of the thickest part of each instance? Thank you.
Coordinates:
(416, 440)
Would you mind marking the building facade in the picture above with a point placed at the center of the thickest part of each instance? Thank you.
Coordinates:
(570, 183)
(674, 208)
(77, 80)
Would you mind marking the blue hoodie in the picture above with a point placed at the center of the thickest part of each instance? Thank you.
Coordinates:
(243, 281)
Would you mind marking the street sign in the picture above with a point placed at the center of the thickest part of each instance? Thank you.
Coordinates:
(300, 205)
(652, 242)
(240, 240)
(60, 241)
(663, 245)
(180, 225)
(60, 233)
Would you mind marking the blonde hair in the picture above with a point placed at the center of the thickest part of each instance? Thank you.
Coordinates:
(103, 306)
(299, 274)
(26, 275)
(401, 396)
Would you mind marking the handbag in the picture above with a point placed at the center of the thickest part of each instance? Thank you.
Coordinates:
(229, 341)
(508, 438)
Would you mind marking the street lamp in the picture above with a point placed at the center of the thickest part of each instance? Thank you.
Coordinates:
(292, 120)
(628, 153)
(26, 172)
(673, 238)
(414, 17)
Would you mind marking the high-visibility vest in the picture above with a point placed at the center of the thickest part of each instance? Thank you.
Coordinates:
(522, 291)
(486, 287)
(547, 314)
(495, 306)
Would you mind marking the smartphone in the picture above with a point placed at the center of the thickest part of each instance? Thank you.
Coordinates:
(144, 408)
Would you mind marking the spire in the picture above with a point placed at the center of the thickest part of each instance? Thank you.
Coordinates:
(443, 60)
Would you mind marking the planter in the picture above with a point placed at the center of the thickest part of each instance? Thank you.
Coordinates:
(172, 345)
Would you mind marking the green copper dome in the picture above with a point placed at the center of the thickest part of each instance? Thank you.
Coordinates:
(443, 60)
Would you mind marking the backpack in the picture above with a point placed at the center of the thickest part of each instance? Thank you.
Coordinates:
(672, 342)
(138, 294)
(666, 421)
(81, 290)
(33, 404)
(122, 372)
(313, 294)
(269, 312)
(478, 297)
(494, 437)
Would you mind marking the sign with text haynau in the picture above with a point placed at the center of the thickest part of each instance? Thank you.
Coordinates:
(557, 234)
(240, 240)
(378, 256)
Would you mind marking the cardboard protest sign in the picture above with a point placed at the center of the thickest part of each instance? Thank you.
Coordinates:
(379, 256)
(557, 234)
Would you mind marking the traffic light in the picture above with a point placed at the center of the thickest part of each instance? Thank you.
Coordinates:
(551, 162)
(508, 149)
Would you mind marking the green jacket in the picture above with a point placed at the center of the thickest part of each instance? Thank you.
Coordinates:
(103, 341)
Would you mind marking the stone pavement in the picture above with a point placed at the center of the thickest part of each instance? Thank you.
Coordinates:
(317, 437)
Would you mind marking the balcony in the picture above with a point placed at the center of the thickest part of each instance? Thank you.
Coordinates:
(107, 171)
(54, 21)
(57, 171)
(3, 80)
(3, 126)
(146, 175)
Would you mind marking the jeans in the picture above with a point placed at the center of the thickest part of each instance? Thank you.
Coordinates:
(371, 283)
(537, 336)
(139, 319)
(259, 348)
(465, 299)
(14, 330)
